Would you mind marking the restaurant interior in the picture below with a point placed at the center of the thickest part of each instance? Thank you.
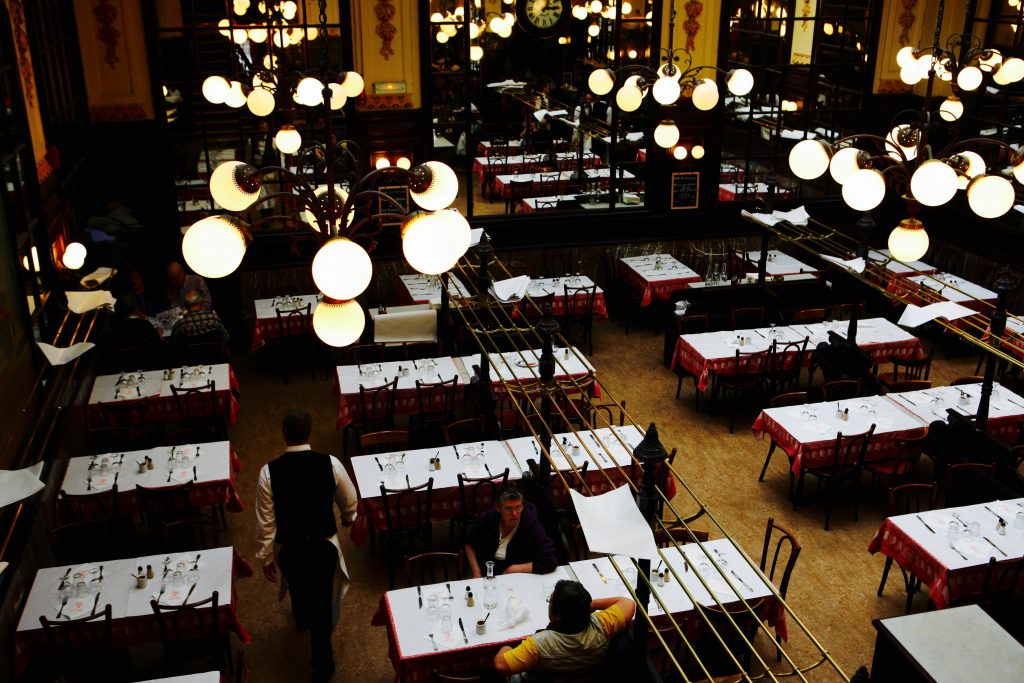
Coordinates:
(727, 290)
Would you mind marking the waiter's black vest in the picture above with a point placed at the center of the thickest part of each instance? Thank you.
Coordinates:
(303, 486)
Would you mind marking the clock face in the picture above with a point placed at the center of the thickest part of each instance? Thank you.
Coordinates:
(541, 18)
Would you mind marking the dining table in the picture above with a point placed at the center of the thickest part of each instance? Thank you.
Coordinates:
(349, 378)
(426, 289)
(486, 148)
(77, 591)
(778, 263)
(546, 182)
(928, 289)
(807, 433)
(154, 389)
(269, 325)
(949, 549)
(490, 166)
(542, 287)
(653, 277)
(204, 677)
(212, 467)
(707, 354)
(523, 367)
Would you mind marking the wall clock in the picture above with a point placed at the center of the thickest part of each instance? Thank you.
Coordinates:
(542, 18)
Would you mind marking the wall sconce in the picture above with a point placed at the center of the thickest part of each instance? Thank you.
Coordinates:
(681, 152)
(401, 159)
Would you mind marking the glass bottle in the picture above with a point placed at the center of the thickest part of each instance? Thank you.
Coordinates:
(490, 588)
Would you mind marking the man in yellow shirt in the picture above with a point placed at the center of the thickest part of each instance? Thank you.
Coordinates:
(577, 637)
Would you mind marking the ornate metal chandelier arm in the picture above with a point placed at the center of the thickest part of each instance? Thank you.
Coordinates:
(282, 218)
(963, 146)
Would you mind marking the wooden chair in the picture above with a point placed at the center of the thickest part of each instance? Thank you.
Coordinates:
(907, 385)
(844, 311)
(793, 398)
(846, 464)
(840, 389)
(966, 379)
(747, 379)
(553, 184)
(672, 535)
(420, 350)
(128, 415)
(433, 567)
(579, 312)
(162, 506)
(82, 650)
(517, 191)
(407, 522)
(908, 452)
(190, 435)
(192, 632)
(477, 495)
(387, 441)
(136, 344)
(904, 369)
(83, 541)
(969, 483)
(362, 354)
(206, 349)
(197, 407)
(902, 500)
(436, 402)
(295, 343)
(784, 364)
(808, 316)
(375, 411)
(558, 262)
(747, 317)
(468, 430)
(782, 545)
(695, 323)
(607, 414)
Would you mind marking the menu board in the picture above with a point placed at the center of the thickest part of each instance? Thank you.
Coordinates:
(685, 190)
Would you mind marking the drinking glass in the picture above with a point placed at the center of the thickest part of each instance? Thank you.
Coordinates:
(81, 589)
(446, 626)
(399, 468)
(1018, 521)
(193, 575)
(953, 532)
(974, 529)
(432, 606)
(178, 578)
(390, 475)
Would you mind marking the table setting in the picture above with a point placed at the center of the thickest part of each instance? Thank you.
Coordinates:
(656, 276)
(126, 386)
(516, 366)
(778, 263)
(541, 287)
(949, 549)
(373, 375)
(939, 286)
(267, 325)
(1006, 408)
(423, 289)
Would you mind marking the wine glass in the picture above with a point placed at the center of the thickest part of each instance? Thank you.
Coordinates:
(1018, 521)
(446, 626)
(432, 602)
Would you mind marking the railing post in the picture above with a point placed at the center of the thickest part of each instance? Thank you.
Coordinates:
(650, 452)
(1004, 284)
(547, 327)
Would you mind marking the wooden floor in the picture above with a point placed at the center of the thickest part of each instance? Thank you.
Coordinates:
(833, 586)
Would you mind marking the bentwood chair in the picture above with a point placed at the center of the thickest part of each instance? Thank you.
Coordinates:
(197, 407)
(966, 379)
(517, 191)
(904, 369)
(909, 447)
(676, 534)
(845, 465)
(747, 317)
(579, 312)
(82, 650)
(840, 389)
(122, 423)
(907, 385)
(477, 495)
(902, 500)
(808, 316)
(434, 567)
(295, 343)
(386, 441)
(784, 549)
(470, 429)
(407, 523)
(747, 379)
(793, 398)
(969, 483)
(375, 411)
(782, 369)
(168, 504)
(192, 632)
(436, 408)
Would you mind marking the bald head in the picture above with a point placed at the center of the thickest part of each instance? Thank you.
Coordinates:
(176, 275)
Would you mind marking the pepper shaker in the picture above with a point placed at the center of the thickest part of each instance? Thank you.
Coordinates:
(149, 571)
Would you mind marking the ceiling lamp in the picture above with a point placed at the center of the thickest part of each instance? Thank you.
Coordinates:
(674, 76)
(74, 256)
(908, 241)
(666, 134)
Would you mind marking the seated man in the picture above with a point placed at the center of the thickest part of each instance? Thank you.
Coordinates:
(180, 282)
(576, 638)
(511, 536)
(198, 323)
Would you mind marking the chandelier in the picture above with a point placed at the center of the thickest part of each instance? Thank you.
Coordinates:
(866, 165)
(675, 77)
(342, 210)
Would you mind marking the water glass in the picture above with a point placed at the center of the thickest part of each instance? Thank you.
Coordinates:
(193, 575)
(81, 589)
(974, 529)
(432, 602)
(1018, 521)
(178, 578)
(390, 475)
(953, 532)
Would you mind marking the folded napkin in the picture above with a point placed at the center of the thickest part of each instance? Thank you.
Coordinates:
(97, 277)
(61, 356)
(514, 613)
(507, 83)
(17, 485)
(913, 316)
(77, 607)
(173, 596)
(512, 289)
(83, 302)
(181, 475)
(857, 264)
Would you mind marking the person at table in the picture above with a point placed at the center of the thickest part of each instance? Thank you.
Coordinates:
(198, 323)
(179, 282)
(576, 638)
(297, 530)
(582, 115)
(512, 536)
(135, 300)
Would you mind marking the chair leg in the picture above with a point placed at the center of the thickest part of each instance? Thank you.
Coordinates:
(913, 585)
(885, 574)
(679, 386)
(771, 449)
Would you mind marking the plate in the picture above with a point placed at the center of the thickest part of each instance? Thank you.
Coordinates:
(524, 364)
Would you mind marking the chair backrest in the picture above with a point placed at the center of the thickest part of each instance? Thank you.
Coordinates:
(193, 621)
(911, 368)
(608, 414)
(850, 449)
(377, 406)
(579, 301)
(433, 567)
(908, 498)
(676, 534)
(183, 535)
(693, 323)
(407, 509)
(787, 357)
(478, 494)
(967, 379)
(1002, 579)
(436, 400)
(420, 349)
(358, 354)
(557, 263)
(750, 363)
(295, 322)
(907, 385)
(206, 349)
(519, 189)
(195, 402)
(969, 483)
(84, 636)
(809, 315)
(385, 441)
(780, 543)
(73, 507)
(840, 389)
(793, 398)
(464, 431)
(909, 447)
(747, 317)
(129, 413)
(169, 503)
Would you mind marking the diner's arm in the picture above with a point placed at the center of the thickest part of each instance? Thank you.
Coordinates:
(523, 568)
(266, 525)
(474, 566)
(613, 613)
(344, 493)
(522, 657)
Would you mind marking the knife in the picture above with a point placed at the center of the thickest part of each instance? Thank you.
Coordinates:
(465, 638)
(996, 514)
(381, 467)
(188, 595)
(596, 569)
(95, 603)
(920, 519)
(1001, 551)
(419, 594)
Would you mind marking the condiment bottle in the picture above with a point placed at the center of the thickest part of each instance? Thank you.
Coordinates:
(1001, 527)
(149, 571)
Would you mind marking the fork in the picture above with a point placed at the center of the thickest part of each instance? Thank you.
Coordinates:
(63, 604)
(953, 548)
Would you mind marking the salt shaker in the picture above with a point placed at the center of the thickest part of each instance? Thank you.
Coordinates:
(149, 571)
(149, 463)
(1001, 527)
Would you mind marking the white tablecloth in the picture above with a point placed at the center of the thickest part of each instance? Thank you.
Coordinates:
(267, 308)
(427, 288)
(779, 263)
(646, 267)
(523, 365)
(599, 448)
(428, 370)
(953, 288)
(213, 464)
(899, 267)
(106, 387)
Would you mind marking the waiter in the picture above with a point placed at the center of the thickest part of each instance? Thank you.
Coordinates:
(297, 530)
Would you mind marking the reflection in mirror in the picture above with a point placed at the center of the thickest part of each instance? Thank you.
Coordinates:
(512, 110)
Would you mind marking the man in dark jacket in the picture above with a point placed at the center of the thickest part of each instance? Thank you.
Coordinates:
(511, 536)
(297, 530)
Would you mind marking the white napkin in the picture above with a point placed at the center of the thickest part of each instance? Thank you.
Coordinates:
(97, 277)
(17, 485)
(512, 615)
(83, 302)
(914, 316)
(512, 289)
(507, 83)
(762, 218)
(60, 356)
(857, 264)
(797, 216)
(973, 546)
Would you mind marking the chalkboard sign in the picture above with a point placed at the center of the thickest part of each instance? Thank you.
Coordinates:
(400, 193)
(685, 190)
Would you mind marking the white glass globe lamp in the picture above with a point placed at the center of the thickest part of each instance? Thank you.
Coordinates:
(990, 196)
(579, 12)
(34, 256)
(666, 134)
(234, 185)
(288, 140)
(258, 35)
(338, 323)
(338, 96)
(74, 256)
(951, 109)
(864, 189)
(403, 162)
(236, 98)
(434, 190)
(969, 78)
(382, 162)
(933, 183)
(260, 102)
(1018, 168)
(432, 243)
(601, 81)
(844, 163)
(1011, 71)
(679, 153)
(908, 241)
(629, 98)
(340, 197)
(809, 159)
(309, 92)
(342, 269)
(905, 57)
(970, 164)
(476, 53)
(441, 37)
(214, 246)
(353, 84)
(903, 138)
(697, 152)
(215, 89)
(705, 95)
(740, 82)
(593, 30)
(910, 74)
(666, 90)
(990, 60)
